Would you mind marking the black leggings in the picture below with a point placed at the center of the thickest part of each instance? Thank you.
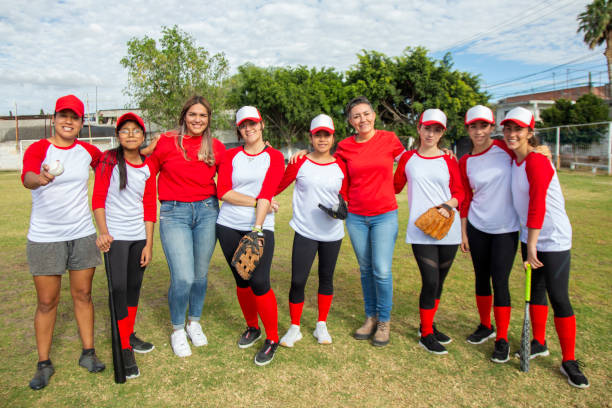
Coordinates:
(260, 280)
(553, 278)
(493, 257)
(304, 251)
(434, 262)
(126, 274)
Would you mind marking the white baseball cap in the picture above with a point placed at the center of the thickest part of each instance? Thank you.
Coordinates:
(322, 122)
(521, 116)
(479, 112)
(247, 113)
(431, 116)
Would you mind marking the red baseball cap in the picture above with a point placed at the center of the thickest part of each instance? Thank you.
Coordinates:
(432, 116)
(70, 102)
(322, 122)
(479, 112)
(131, 116)
(521, 116)
(247, 113)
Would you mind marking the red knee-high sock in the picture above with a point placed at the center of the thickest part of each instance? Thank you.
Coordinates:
(246, 298)
(483, 303)
(566, 330)
(502, 318)
(295, 311)
(324, 306)
(132, 310)
(427, 317)
(124, 332)
(539, 315)
(266, 307)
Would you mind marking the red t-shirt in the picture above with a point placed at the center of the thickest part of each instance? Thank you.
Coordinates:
(184, 180)
(370, 172)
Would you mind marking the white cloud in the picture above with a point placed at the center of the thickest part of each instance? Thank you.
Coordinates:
(53, 48)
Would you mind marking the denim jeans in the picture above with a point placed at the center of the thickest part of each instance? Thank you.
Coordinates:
(373, 239)
(188, 237)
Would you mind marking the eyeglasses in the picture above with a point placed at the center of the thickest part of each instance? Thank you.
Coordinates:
(126, 132)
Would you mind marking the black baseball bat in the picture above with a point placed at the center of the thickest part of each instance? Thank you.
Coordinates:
(525, 351)
(115, 339)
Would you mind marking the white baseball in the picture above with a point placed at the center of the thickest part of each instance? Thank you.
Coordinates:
(56, 169)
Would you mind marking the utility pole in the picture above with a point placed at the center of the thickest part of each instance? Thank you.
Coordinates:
(554, 85)
(96, 115)
(88, 119)
(16, 127)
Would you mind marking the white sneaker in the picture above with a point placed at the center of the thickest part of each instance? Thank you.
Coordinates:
(293, 334)
(179, 343)
(322, 334)
(195, 333)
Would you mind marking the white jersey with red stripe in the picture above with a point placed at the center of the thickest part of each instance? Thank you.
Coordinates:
(315, 183)
(127, 209)
(60, 210)
(431, 182)
(486, 180)
(253, 175)
(539, 202)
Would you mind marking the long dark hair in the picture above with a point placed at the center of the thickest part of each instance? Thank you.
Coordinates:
(206, 153)
(115, 157)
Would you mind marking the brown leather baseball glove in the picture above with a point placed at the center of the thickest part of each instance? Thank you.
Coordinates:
(435, 224)
(248, 253)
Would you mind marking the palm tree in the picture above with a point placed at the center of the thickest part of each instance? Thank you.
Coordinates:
(596, 23)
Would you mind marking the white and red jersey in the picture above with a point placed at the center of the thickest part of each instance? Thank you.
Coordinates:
(253, 175)
(181, 179)
(486, 178)
(60, 210)
(315, 183)
(370, 172)
(539, 202)
(127, 209)
(431, 182)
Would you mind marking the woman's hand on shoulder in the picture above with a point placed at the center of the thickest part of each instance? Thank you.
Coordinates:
(297, 156)
(449, 152)
(544, 151)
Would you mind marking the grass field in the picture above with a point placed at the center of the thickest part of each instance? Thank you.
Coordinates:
(346, 373)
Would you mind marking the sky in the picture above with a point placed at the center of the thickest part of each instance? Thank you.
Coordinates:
(53, 48)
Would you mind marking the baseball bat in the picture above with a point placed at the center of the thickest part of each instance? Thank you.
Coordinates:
(115, 339)
(525, 351)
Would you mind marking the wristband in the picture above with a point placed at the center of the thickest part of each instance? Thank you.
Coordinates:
(447, 207)
(255, 206)
(257, 228)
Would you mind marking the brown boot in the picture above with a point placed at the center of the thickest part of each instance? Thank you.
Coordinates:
(366, 331)
(381, 337)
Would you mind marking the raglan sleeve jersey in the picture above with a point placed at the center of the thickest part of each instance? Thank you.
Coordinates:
(316, 183)
(60, 210)
(430, 182)
(539, 202)
(486, 178)
(127, 209)
(254, 175)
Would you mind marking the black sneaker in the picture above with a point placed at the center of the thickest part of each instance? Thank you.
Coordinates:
(501, 353)
(266, 354)
(249, 337)
(44, 371)
(537, 349)
(575, 378)
(140, 346)
(431, 344)
(441, 337)
(129, 363)
(91, 362)
(482, 334)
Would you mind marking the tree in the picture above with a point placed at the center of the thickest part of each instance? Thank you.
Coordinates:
(402, 87)
(160, 80)
(596, 23)
(288, 98)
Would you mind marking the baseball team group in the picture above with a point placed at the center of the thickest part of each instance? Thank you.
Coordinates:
(499, 194)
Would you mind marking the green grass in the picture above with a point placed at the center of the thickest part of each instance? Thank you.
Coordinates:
(346, 373)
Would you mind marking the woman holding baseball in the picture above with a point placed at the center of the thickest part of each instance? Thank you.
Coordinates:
(187, 160)
(124, 205)
(433, 181)
(249, 176)
(546, 239)
(318, 211)
(61, 235)
(489, 226)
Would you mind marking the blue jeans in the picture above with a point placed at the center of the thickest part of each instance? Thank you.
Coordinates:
(373, 239)
(188, 237)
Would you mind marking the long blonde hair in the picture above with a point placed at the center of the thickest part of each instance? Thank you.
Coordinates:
(206, 152)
